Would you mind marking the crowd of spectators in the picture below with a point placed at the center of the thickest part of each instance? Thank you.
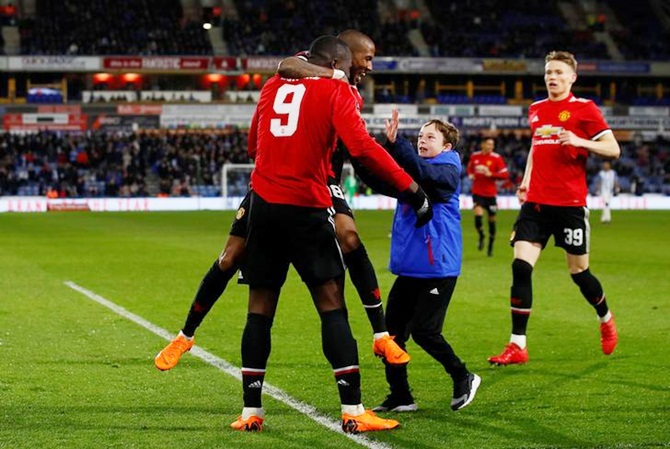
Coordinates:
(494, 28)
(91, 164)
(278, 27)
(112, 27)
(452, 28)
(641, 36)
(167, 163)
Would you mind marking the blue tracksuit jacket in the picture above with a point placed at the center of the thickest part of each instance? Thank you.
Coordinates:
(434, 250)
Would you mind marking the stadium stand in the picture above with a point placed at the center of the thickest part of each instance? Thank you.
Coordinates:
(112, 27)
(183, 164)
(642, 37)
(105, 163)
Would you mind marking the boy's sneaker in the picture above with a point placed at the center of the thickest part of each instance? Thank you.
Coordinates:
(251, 424)
(170, 355)
(608, 336)
(388, 349)
(366, 422)
(396, 403)
(512, 354)
(465, 391)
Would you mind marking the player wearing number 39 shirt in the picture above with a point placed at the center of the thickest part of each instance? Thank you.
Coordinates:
(565, 130)
(293, 132)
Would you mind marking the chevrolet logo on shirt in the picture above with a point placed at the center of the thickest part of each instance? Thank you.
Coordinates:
(545, 131)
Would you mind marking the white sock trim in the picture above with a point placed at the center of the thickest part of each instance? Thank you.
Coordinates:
(247, 412)
(182, 334)
(519, 340)
(379, 335)
(353, 410)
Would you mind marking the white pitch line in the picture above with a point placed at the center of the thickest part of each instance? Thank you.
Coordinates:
(208, 357)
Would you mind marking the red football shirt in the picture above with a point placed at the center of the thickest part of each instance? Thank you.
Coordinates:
(293, 132)
(483, 185)
(558, 175)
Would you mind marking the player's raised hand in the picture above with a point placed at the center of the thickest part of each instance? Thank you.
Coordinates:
(392, 126)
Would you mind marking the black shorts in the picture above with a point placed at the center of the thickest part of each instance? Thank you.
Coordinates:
(239, 226)
(339, 202)
(490, 203)
(280, 235)
(569, 226)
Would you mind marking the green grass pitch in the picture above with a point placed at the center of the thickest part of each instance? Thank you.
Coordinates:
(74, 374)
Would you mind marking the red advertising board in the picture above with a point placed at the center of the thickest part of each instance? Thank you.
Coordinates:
(220, 63)
(159, 63)
(122, 63)
(72, 109)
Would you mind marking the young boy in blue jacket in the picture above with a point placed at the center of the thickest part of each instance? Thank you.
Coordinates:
(427, 261)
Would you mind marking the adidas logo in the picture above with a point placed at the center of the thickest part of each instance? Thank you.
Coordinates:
(257, 384)
(343, 382)
(535, 119)
(434, 291)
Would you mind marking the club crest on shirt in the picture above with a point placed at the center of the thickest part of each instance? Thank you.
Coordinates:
(240, 213)
(564, 116)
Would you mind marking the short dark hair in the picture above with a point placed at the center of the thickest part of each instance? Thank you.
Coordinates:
(325, 49)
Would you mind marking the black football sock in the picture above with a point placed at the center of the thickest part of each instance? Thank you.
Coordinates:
(396, 376)
(365, 280)
(521, 295)
(256, 345)
(492, 235)
(340, 349)
(592, 291)
(478, 226)
(211, 287)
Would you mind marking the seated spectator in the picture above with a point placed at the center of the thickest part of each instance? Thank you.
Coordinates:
(102, 27)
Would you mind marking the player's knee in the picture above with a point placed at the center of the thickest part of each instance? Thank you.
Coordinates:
(226, 261)
(349, 240)
(522, 271)
(585, 279)
(231, 256)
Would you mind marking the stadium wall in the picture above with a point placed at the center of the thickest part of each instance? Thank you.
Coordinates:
(27, 204)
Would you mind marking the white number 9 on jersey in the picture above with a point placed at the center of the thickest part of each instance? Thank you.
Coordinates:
(291, 109)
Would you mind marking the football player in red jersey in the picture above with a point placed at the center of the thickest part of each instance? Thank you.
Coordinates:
(356, 258)
(292, 136)
(484, 168)
(565, 131)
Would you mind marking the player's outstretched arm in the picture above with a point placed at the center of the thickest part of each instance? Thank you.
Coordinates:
(296, 68)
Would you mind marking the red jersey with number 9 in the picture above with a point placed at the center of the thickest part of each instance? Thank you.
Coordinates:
(558, 175)
(293, 134)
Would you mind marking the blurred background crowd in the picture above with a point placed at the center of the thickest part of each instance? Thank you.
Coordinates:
(169, 163)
